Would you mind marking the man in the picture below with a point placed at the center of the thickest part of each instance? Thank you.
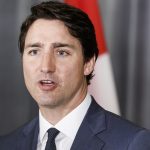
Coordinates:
(59, 50)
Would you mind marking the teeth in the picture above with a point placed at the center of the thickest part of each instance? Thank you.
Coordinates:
(46, 81)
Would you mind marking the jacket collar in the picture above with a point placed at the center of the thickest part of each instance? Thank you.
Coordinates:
(88, 136)
(29, 137)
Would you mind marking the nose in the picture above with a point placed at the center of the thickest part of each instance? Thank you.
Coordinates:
(47, 63)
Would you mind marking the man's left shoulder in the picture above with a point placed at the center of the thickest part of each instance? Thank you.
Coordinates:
(121, 124)
(114, 122)
(137, 137)
(114, 131)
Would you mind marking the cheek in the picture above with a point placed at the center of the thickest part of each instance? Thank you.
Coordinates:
(27, 75)
(64, 72)
(28, 71)
(71, 71)
(26, 68)
(29, 65)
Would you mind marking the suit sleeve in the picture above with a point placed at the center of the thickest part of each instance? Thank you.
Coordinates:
(141, 141)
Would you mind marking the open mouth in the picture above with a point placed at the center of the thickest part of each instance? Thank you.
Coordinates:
(46, 82)
(47, 85)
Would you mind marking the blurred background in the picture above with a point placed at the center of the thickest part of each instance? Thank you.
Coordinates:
(126, 27)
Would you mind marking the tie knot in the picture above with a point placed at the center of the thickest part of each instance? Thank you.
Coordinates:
(52, 133)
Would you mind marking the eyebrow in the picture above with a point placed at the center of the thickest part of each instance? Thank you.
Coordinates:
(58, 44)
(54, 45)
(33, 45)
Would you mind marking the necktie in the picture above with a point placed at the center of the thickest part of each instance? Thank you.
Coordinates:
(52, 133)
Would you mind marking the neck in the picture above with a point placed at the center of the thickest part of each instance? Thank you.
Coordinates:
(55, 114)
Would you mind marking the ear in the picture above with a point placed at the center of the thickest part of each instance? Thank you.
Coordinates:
(89, 66)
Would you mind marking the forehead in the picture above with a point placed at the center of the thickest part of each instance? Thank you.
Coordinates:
(49, 29)
(48, 32)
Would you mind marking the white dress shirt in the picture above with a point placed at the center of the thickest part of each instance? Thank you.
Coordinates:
(68, 127)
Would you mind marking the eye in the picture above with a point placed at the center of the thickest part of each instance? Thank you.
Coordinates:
(33, 52)
(62, 52)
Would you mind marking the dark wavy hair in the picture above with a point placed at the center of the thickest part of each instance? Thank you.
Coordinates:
(78, 23)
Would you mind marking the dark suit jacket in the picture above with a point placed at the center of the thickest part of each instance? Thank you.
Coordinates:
(100, 130)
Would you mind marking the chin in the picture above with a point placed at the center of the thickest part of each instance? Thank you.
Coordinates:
(47, 103)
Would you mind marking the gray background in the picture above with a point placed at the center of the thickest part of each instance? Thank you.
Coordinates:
(127, 32)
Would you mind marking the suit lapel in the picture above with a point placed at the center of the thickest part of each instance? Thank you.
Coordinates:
(29, 136)
(88, 135)
(90, 129)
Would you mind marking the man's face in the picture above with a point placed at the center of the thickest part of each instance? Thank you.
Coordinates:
(53, 65)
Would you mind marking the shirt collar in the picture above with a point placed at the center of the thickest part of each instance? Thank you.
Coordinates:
(70, 124)
(44, 126)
